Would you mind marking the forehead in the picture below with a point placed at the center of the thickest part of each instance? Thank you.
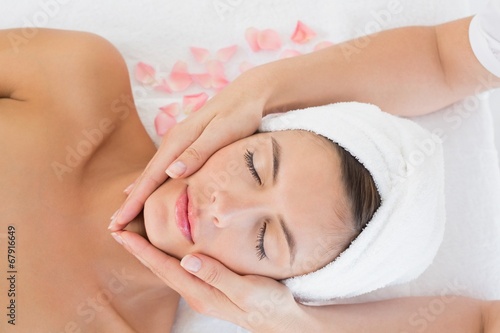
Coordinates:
(312, 197)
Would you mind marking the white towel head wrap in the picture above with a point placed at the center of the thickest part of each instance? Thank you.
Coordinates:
(404, 234)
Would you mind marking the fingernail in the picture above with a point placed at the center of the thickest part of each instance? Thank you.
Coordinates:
(114, 215)
(176, 169)
(117, 238)
(113, 220)
(191, 263)
(129, 188)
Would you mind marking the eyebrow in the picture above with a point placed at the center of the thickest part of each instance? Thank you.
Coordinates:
(290, 240)
(276, 158)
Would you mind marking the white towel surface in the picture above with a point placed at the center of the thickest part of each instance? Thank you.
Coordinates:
(404, 235)
(160, 32)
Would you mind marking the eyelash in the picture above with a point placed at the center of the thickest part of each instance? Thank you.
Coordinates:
(251, 167)
(261, 253)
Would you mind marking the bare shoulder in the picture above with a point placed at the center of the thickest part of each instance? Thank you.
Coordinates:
(27, 61)
(58, 69)
(68, 93)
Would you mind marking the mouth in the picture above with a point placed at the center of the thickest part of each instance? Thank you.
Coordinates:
(182, 215)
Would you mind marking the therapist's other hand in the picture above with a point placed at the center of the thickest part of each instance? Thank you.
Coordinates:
(256, 303)
(231, 115)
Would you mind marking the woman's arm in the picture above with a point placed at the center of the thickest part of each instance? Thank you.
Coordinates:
(413, 314)
(406, 71)
(263, 305)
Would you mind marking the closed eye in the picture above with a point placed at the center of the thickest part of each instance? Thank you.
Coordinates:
(261, 252)
(251, 166)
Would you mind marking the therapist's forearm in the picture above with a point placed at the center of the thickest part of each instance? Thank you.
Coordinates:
(418, 314)
(406, 71)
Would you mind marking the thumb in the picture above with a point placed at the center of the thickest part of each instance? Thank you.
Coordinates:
(240, 290)
(213, 273)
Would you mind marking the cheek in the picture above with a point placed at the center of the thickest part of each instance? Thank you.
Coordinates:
(223, 170)
(235, 252)
(156, 214)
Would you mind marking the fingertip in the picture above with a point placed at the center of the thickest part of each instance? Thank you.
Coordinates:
(191, 263)
(129, 188)
(118, 238)
(112, 224)
(113, 227)
(125, 215)
(176, 169)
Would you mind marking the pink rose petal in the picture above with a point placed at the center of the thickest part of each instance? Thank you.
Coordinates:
(145, 73)
(163, 86)
(172, 109)
(251, 35)
(226, 53)
(179, 81)
(179, 78)
(215, 68)
(203, 79)
(245, 65)
(218, 77)
(322, 45)
(180, 67)
(201, 55)
(219, 82)
(163, 122)
(302, 33)
(192, 103)
(289, 54)
(269, 40)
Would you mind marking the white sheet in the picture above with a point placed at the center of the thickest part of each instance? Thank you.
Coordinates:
(160, 32)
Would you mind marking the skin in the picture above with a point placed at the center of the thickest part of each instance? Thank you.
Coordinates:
(71, 275)
(230, 206)
(227, 294)
(73, 153)
(407, 71)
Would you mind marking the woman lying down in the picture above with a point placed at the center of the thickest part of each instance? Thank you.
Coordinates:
(329, 200)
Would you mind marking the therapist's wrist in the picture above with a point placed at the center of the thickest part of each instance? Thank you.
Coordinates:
(286, 83)
(269, 87)
(299, 320)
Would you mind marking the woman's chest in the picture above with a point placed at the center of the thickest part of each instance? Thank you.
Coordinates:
(50, 274)
(63, 271)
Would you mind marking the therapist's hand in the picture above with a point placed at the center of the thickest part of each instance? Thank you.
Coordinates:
(256, 303)
(231, 115)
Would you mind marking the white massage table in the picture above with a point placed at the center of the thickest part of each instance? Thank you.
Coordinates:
(160, 32)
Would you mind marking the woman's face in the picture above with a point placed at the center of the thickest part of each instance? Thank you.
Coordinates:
(271, 204)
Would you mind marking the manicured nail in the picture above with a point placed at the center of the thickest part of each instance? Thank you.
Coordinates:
(114, 215)
(176, 169)
(113, 220)
(191, 263)
(117, 238)
(129, 188)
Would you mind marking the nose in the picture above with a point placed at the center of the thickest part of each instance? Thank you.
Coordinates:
(228, 208)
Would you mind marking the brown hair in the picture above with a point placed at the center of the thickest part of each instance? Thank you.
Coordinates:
(359, 186)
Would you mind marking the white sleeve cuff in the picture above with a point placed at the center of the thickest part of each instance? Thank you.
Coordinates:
(484, 35)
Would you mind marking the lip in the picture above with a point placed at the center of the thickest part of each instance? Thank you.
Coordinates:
(182, 216)
(192, 216)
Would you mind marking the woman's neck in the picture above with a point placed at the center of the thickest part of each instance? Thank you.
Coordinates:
(137, 294)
